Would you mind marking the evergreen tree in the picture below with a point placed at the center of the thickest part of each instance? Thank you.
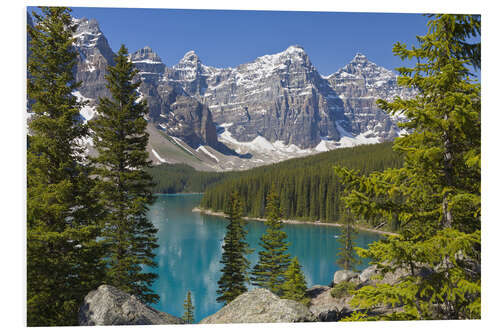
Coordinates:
(269, 272)
(63, 256)
(123, 186)
(188, 315)
(234, 273)
(308, 186)
(347, 256)
(435, 196)
(295, 286)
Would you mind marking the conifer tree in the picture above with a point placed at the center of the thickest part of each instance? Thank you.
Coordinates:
(188, 315)
(235, 270)
(435, 196)
(63, 256)
(347, 256)
(123, 186)
(273, 259)
(295, 286)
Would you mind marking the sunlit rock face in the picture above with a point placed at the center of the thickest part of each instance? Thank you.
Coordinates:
(172, 110)
(275, 107)
(280, 97)
(94, 56)
(360, 84)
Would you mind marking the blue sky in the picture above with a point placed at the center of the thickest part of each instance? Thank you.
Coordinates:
(226, 38)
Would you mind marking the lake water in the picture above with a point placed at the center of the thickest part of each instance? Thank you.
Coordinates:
(190, 248)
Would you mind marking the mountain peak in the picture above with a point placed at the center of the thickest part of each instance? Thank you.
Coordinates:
(84, 24)
(359, 57)
(190, 57)
(295, 49)
(87, 33)
(145, 54)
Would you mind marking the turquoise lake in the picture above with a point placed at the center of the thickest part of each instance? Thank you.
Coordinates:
(190, 248)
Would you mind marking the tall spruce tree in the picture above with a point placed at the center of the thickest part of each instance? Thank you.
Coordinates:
(123, 186)
(236, 265)
(295, 286)
(346, 255)
(435, 196)
(273, 259)
(188, 315)
(63, 256)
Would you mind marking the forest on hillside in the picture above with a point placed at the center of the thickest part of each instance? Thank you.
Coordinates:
(308, 187)
(183, 178)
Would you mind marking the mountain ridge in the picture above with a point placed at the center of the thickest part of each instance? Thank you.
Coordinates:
(272, 108)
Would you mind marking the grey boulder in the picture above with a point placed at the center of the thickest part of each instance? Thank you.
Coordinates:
(108, 305)
(326, 308)
(367, 273)
(344, 276)
(260, 306)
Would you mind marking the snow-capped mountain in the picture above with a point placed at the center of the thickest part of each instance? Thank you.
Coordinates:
(172, 110)
(270, 109)
(283, 99)
(360, 84)
(94, 55)
(280, 97)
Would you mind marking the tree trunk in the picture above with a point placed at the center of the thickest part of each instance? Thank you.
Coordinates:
(448, 178)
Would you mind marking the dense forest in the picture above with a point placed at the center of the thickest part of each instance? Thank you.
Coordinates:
(182, 178)
(308, 187)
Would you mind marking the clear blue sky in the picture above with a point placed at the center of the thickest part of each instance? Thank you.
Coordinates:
(229, 38)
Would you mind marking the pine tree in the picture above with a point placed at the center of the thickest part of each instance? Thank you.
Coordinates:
(435, 196)
(63, 256)
(188, 315)
(123, 186)
(273, 260)
(234, 273)
(347, 256)
(295, 286)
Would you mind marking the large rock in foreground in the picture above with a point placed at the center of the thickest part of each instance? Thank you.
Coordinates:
(326, 308)
(108, 305)
(343, 276)
(260, 306)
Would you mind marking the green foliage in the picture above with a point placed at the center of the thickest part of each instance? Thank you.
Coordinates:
(308, 187)
(451, 289)
(269, 272)
(188, 315)
(347, 256)
(234, 272)
(295, 286)
(343, 289)
(435, 196)
(123, 185)
(63, 256)
(182, 178)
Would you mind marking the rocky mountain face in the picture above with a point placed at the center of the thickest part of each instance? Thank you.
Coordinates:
(94, 55)
(273, 108)
(279, 97)
(360, 84)
(171, 109)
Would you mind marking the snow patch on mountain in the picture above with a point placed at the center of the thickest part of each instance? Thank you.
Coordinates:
(158, 156)
(205, 150)
(87, 112)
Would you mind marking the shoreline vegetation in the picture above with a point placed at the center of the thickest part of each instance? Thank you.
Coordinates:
(317, 223)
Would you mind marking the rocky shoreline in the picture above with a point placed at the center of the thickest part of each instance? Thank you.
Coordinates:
(317, 223)
(108, 305)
